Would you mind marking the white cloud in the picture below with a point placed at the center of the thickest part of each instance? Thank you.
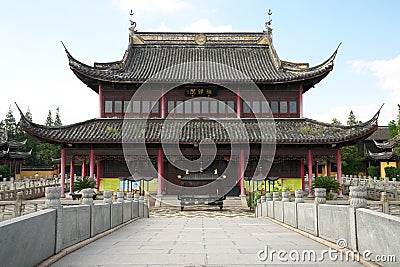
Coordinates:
(163, 28)
(387, 72)
(362, 112)
(153, 5)
(204, 25)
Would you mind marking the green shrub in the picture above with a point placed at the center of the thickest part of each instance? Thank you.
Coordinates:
(392, 172)
(329, 183)
(373, 171)
(80, 184)
(5, 171)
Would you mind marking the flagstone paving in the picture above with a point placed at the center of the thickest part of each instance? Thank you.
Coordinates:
(198, 241)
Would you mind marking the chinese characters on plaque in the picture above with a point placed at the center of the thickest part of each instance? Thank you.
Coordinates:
(200, 91)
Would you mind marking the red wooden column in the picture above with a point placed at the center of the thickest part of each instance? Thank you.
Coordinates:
(303, 186)
(163, 111)
(84, 169)
(101, 102)
(238, 103)
(71, 176)
(241, 173)
(339, 169)
(316, 169)
(98, 174)
(328, 168)
(62, 172)
(91, 162)
(160, 167)
(310, 165)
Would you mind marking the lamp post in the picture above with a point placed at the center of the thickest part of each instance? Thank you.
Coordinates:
(271, 179)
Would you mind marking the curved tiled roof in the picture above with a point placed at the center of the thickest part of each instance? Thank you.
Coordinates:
(215, 62)
(283, 131)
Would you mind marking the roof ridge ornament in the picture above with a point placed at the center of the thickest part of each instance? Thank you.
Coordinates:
(133, 23)
(268, 23)
(268, 29)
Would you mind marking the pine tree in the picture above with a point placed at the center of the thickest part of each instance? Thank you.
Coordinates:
(10, 123)
(394, 125)
(28, 114)
(49, 119)
(57, 119)
(351, 120)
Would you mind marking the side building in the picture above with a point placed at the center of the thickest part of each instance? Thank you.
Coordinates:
(9, 156)
(188, 90)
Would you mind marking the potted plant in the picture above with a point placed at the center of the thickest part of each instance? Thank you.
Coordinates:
(80, 184)
(329, 183)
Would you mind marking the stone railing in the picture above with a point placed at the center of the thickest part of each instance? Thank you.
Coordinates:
(375, 186)
(30, 188)
(49, 231)
(352, 226)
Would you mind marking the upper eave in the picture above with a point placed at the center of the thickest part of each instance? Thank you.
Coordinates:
(280, 131)
(186, 62)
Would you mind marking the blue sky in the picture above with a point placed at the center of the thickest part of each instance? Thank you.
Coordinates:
(34, 69)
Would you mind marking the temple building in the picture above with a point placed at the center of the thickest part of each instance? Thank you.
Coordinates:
(379, 149)
(228, 93)
(9, 156)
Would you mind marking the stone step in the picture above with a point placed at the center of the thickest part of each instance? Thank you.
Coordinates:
(172, 200)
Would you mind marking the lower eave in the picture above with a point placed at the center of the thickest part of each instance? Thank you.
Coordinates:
(93, 82)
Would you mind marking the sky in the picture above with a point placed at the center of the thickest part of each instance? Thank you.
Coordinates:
(34, 68)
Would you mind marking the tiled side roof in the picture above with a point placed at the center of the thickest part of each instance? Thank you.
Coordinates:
(385, 155)
(286, 131)
(382, 134)
(256, 62)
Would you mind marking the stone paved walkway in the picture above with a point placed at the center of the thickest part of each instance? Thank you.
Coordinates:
(216, 241)
(200, 212)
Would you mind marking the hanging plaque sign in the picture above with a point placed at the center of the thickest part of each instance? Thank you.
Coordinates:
(200, 91)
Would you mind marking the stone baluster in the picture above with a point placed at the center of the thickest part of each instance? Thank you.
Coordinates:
(285, 196)
(357, 196)
(385, 203)
(268, 197)
(135, 208)
(53, 195)
(275, 196)
(120, 196)
(107, 197)
(141, 204)
(145, 208)
(263, 199)
(87, 196)
(53, 201)
(129, 196)
(320, 195)
(298, 196)
(18, 205)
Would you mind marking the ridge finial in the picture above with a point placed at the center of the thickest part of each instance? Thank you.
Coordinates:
(268, 23)
(133, 23)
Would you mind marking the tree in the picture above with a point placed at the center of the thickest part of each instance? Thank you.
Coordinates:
(394, 129)
(352, 156)
(28, 114)
(394, 125)
(10, 123)
(336, 122)
(49, 119)
(5, 171)
(351, 120)
(57, 119)
(352, 159)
